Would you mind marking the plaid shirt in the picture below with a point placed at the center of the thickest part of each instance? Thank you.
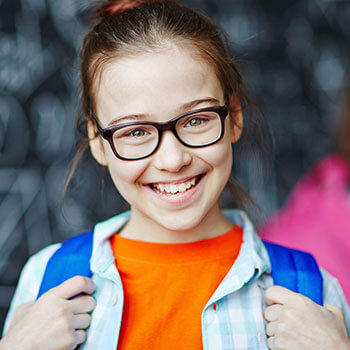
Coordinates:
(237, 322)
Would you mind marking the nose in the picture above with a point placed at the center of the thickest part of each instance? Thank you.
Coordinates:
(171, 155)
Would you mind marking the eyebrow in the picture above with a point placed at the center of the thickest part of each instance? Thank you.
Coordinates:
(182, 109)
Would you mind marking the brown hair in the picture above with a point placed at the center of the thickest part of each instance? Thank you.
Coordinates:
(129, 27)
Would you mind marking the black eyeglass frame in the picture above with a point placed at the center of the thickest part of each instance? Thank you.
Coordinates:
(107, 133)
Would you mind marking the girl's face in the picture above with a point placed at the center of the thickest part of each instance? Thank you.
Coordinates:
(159, 86)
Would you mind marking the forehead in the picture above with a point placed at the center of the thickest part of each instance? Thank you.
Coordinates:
(156, 83)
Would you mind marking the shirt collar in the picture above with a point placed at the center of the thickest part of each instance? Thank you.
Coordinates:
(102, 259)
(251, 262)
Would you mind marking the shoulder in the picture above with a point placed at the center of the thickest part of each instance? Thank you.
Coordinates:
(34, 268)
(30, 279)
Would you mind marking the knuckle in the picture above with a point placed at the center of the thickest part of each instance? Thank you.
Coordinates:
(278, 342)
(281, 339)
(66, 326)
(61, 313)
(270, 291)
(269, 330)
(270, 343)
(281, 331)
(65, 331)
(79, 281)
(284, 314)
(81, 336)
(69, 337)
(92, 302)
(86, 302)
(284, 336)
(87, 320)
(296, 302)
(273, 312)
(301, 300)
(49, 295)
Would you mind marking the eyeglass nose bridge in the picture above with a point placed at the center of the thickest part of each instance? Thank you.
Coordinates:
(167, 126)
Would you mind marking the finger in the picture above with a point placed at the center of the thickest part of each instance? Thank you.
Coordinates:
(81, 321)
(82, 304)
(73, 287)
(271, 343)
(271, 329)
(278, 295)
(273, 312)
(80, 337)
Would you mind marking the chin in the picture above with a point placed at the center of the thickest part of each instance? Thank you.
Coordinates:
(178, 225)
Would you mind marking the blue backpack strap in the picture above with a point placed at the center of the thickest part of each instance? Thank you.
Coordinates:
(296, 270)
(71, 259)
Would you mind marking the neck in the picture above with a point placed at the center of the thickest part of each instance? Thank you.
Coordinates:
(143, 228)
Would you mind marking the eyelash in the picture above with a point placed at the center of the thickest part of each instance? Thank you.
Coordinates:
(129, 134)
(202, 120)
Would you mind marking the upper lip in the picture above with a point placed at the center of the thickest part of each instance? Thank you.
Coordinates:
(178, 181)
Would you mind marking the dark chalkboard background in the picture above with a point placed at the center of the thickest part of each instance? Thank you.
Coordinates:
(296, 55)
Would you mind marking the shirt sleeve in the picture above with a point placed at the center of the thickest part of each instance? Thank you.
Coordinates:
(29, 281)
(334, 295)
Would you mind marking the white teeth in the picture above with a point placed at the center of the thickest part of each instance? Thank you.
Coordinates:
(182, 188)
(172, 188)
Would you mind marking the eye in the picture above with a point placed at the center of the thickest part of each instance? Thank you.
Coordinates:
(195, 122)
(137, 133)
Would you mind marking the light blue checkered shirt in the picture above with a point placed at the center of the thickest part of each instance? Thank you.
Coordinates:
(237, 322)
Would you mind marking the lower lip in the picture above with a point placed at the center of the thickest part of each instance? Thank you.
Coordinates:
(178, 198)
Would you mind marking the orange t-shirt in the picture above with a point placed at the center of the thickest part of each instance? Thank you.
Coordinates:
(167, 286)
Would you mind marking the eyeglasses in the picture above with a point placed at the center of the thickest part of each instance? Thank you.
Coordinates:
(138, 140)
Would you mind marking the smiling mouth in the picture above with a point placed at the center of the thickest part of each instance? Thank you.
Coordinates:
(174, 189)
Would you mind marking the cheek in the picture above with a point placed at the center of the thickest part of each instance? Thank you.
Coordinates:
(219, 156)
(123, 171)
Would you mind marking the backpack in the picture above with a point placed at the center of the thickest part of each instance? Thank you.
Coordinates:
(290, 268)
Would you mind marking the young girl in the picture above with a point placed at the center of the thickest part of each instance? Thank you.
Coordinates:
(161, 98)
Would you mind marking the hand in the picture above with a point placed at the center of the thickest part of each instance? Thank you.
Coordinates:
(53, 322)
(296, 322)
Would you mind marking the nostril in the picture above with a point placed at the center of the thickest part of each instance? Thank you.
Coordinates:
(172, 155)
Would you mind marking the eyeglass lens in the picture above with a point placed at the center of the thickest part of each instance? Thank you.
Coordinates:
(198, 129)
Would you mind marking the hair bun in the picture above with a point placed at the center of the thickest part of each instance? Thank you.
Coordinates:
(111, 7)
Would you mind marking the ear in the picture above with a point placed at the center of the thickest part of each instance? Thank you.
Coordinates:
(95, 143)
(236, 119)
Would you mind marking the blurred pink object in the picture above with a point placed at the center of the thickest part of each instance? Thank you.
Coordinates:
(316, 218)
